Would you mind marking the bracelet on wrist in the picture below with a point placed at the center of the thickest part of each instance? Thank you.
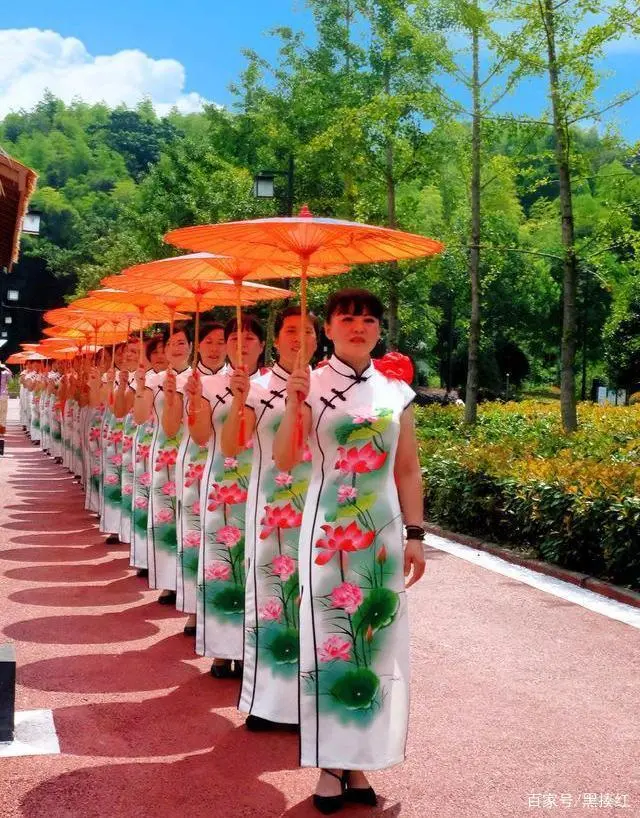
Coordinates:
(414, 532)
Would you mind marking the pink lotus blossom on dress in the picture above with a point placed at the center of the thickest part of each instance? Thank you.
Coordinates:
(127, 489)
(142, 452)
(283, 479)
(116, 460)
(130, 468)
(95, 470)
(363, 416)
(283, 566)
(347, 493)
(166, 458)
(346, 596)
(169, 489)
(112, 479)
(191, 539)
(306, 455)
(149, 430)
(271, 611)
(145, 479)
(218, 570)
(127, 443)
(230, 463)
(193, 473)
(164, 515)
(335, 647)
(195, 508)
(229, 535)
(94, 433)
(116, 436)
(141, 502)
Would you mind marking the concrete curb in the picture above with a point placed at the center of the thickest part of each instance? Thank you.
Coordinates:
(598, 586)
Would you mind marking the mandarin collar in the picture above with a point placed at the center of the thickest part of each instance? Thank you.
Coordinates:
(280, 372)
(347, 371)
(204, 370)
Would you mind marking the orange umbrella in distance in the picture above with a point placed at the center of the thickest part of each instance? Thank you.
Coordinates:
(200, 273)
(304, 241)
(190, 296)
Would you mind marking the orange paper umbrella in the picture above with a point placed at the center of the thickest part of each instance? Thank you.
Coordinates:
(190, 296)
(304, 241)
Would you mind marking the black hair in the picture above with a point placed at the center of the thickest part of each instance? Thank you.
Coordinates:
(152, 344)
(354, 302)
(207, 327)
(287, 312)
(179, 326)
(249, 324)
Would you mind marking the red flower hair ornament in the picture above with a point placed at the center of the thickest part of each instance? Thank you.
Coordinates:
(395, 366)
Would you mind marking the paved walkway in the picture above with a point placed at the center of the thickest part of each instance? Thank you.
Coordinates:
(523, 703)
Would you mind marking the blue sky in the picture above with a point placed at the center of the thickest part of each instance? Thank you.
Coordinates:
(187, 51)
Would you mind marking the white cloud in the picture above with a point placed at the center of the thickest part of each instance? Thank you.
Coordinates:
(34, 60)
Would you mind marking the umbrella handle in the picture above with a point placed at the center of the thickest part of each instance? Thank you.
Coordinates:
(299, 431)
(242, 426)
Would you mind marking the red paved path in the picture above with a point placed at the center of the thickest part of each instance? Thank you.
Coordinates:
(515, 692)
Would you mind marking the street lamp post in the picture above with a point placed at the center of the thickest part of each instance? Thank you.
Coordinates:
(264, 185)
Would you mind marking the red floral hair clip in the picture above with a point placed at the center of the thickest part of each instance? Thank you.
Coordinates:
(395, 366)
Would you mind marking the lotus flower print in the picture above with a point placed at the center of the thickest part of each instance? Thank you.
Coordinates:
(145, 479)
(283, 566)
(141, 502)
(195, 508)
(338, 539)
(271, 611)
(230, 463)
(169, 489)
(279, 517)
(360, 460)
(142, 452)
(193, 473)
(127, 489)
(229, 535)
(166, 458)
(346, 493)
(112, 479)
(346, 596)
(229, 495)
(217, 571)
(191, 539)
(283, 479)
(335, 647)
(163, 516)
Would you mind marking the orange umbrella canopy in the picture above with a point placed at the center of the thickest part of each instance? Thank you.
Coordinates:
(304, 239)
(103, 337)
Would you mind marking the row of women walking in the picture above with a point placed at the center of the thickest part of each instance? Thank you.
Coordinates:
(268, 505)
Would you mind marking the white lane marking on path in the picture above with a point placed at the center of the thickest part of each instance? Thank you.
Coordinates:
(35, 735)
(565, 590)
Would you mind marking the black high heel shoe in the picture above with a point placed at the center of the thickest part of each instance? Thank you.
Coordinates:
(358, 795)
(328, 804)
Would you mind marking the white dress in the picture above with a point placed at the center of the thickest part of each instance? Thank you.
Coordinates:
(161, 520)
(354, 639)
(274, 514)
(221, 566)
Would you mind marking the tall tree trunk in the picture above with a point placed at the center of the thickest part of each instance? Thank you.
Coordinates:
(392, 221)
(471, 397)
(569, 320)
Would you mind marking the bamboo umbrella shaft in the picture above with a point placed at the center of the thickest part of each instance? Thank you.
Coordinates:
(239, 350)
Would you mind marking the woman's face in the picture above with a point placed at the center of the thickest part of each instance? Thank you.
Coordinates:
(158, 359)
(119, 356)
(104, 363)
(131, 356)
(213, 349)
(178, 350)
(354, 336)
(252, 348)
(288, 341)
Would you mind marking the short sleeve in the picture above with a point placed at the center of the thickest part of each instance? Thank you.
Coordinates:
(407, 393)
